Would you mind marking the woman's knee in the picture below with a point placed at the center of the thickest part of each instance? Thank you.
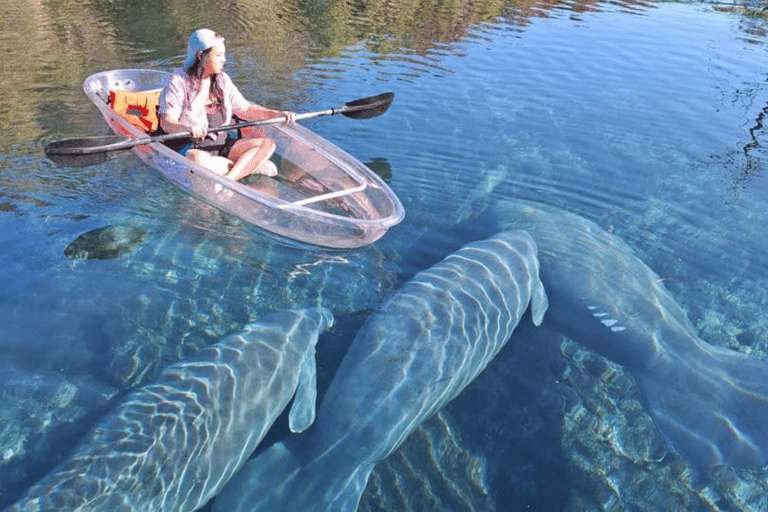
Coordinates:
(242, 146)
(195, 155)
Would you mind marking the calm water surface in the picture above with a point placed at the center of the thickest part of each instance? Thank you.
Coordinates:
(646, 118)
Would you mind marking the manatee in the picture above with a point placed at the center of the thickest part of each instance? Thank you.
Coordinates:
(121, 322)
(171, 445)
(105, 243)
(421, 348)
(710, 403)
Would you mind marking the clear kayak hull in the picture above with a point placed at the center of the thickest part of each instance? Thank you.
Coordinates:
(321, 195)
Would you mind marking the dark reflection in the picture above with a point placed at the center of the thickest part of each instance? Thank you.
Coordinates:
(753, 22)
(382, 168)
(751, 149)
(747, 164)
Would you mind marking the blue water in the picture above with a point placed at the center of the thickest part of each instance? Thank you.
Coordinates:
(645, 118)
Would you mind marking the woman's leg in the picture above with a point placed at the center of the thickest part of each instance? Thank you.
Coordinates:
(217, 164)
(248, 155)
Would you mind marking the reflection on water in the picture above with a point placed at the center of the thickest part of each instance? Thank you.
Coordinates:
(70, 40)
(646, 118)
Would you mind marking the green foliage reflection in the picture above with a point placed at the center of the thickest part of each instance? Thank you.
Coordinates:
(50, 46)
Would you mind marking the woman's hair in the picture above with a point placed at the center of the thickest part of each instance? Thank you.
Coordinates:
(195, 71)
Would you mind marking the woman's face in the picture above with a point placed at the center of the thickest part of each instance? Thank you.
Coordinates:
(214, 62)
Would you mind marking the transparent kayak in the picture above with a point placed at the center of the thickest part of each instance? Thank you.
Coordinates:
(321, 195)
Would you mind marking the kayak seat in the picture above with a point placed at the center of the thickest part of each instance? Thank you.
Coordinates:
(137, 107)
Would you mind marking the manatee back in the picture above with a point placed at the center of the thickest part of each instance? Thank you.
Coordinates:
(455, 315)
(503, 268)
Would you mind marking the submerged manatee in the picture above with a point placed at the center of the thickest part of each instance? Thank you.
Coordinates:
(122, 321)
(173, 444)
(710, 403)
(106, 243)
(425, 345)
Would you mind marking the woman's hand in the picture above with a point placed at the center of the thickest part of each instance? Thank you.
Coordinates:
(290, 117)
(198, 132)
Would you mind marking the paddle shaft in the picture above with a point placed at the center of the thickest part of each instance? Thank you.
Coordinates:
(364, 108)
(128, 144)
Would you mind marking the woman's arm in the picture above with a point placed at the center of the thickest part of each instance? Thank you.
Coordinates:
(172, 108)
(259, 113)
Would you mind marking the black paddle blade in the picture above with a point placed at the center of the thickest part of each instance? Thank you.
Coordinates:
(82, 152)
(367, 108)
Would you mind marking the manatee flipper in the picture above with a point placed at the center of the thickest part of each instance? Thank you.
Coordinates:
(302, 413)
(713, 409)
(539, 302)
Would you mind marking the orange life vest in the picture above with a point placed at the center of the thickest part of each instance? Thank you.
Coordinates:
(137, 107)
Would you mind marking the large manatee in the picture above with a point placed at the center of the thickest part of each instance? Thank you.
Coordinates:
(710, 403)
(427, 342)
(115, 324)
(171, 445)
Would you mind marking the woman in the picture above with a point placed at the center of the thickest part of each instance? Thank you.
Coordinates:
(200, 95)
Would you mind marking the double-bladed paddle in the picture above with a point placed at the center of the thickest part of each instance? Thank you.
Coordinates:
(93, 150)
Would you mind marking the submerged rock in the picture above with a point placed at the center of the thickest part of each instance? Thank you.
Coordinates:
(432, 470)
(105, 243)
(42, 415)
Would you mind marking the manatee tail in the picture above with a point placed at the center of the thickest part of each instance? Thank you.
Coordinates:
(274, 481)
(712, 409)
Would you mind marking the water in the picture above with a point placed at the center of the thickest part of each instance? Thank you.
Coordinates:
(646, 118)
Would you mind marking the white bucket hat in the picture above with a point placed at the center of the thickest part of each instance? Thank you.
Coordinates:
(199, 41)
